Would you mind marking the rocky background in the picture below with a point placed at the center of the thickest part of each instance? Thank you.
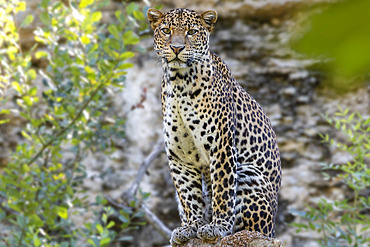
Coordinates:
(252, 37)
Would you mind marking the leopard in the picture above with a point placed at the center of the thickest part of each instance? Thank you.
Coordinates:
(222, 151)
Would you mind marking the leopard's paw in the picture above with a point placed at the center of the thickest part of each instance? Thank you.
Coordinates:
(213, 231)
(182, 234)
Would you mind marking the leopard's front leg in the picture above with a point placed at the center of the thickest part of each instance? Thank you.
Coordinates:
(223, 166)
(188, 184)
(223, 179)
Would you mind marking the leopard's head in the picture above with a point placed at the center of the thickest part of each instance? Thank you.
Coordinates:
(181, 36)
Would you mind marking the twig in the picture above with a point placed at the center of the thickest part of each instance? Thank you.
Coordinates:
(129, 194)
(157, 150)
(152, 219)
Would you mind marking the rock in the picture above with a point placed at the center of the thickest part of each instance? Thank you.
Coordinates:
(261, 9)
(299, 75)
(240, 239)
(289, 91)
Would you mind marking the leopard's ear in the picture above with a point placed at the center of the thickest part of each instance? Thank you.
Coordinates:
(155, 16)
(209, 18)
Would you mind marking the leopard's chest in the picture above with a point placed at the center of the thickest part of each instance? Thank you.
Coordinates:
(185, 131)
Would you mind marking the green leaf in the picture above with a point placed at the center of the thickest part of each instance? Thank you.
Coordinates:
(113, 30)
(44, 4)
(62, 212)
(25, 167)
(12, 52)
(138, 223)
(92, 242)
(5, 111)
(44, 18)
(105, 241)
(300, 225)
(104, 218)
(125, 66)
(139, 15)
(71, 109)
(15, 207)
(64, 244)
(110, 224)
(27, 21)
(130, 8)
(133, 203)
(85, 3)
(85, 40)
(36, 241)
(115, 44)
(27, 100)
(33, 91)
(24, 134)
(96, 16)
(17, 87)
(89, 70)
(311, 225)
(87, 24)
(120, 17)
(31, 74)
(99, 228)
(138, 215)
(124, 217)
(4, 121)
(36, 220)
(21, 6)
(130, 38)
(126, 55)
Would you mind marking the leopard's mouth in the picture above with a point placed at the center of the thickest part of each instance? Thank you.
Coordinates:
(177, 63)
(176, 59)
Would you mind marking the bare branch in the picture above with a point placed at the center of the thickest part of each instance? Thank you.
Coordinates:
(157, 150)
(130, 193)
(152, 219)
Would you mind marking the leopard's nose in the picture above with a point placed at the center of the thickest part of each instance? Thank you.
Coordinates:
(177, 48)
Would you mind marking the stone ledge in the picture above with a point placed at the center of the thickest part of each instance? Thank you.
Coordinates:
(241, 239)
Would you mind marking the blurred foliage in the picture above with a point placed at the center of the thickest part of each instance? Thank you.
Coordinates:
(341, 33)
(66, 107)
(339, 36)
(345, 222)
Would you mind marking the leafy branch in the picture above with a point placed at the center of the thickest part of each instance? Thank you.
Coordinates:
(65, 129)
(40, 186)
(346, 220)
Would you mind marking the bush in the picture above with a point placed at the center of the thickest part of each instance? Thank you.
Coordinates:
(338, 32)
(66, 114)
(344, 222)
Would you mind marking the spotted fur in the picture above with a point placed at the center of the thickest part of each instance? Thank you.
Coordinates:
(222, 150)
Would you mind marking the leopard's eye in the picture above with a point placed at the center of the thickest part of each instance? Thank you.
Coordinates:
(166, 30)
(192, 31)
